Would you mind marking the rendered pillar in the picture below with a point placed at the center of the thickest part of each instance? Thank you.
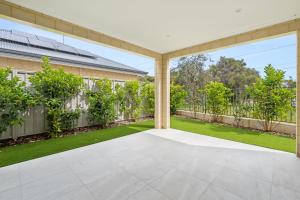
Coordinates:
(162, 93)
(298, 97)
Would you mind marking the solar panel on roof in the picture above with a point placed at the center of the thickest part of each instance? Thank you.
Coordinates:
(5, 34)
(45, 39)
(14, 38)
(18, 41)
(40, 43)
(23, 34)
(85, 53)
(66, 49)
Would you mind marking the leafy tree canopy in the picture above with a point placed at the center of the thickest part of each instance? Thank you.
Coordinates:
(271, 98)
(218, 98)
(233, 73)
(191, 74)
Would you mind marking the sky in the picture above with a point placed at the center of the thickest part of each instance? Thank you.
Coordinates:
(280, 52)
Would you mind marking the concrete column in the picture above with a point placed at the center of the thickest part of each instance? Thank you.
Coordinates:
(165, 92)
(158, 93)
(298, 97)
(162, 93)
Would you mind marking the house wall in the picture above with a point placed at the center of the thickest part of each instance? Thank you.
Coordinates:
(34, 66)
(35, 119)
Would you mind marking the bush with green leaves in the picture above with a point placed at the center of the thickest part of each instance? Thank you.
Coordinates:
(148, 98)
(102, 103)
(177, 97)
(218, 98)
(240, 111)
(54, 87)
(271, 99)
(15, 99)
(68, 118)
(129, 99)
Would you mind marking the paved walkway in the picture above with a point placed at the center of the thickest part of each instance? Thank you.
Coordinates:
(157, 165)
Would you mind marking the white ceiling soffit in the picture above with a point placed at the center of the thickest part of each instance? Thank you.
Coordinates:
(167, 25)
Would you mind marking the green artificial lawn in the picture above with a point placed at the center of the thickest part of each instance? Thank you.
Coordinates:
(19, 153)
(235, 134)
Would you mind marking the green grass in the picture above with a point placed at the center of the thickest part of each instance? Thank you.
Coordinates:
(235, 134)
(15, 154)
(19, 153)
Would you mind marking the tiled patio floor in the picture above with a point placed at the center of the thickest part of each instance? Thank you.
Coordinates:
(157, 165)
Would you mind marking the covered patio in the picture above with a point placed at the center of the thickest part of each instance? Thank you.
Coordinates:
(157, 164)
(163, 31)
(161, 163)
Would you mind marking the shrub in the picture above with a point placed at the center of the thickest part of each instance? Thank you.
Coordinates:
(177, 96)
(54, 87)
(218, 97)
(240, 112)
(271, 99)
(129, 99)
(148, 99)
(68, 118)
(15, 99)
(102, 103)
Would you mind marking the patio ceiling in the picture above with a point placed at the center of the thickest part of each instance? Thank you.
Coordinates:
(168, 25)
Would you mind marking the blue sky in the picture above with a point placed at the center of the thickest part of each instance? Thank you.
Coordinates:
(280, 52)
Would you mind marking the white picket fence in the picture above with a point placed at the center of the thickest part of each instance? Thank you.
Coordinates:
(35, 121)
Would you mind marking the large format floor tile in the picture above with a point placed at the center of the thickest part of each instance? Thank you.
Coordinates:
(156, 165)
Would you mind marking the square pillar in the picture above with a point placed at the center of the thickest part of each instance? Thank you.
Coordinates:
(298, 97)
(162, 93)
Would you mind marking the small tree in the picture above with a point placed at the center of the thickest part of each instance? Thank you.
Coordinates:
(148, 99)
(190, 73)
(14, 99)
(129, 99)
(177, 96)
(218, 98)
(102, 103)
(54, 87)
(271, 99)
